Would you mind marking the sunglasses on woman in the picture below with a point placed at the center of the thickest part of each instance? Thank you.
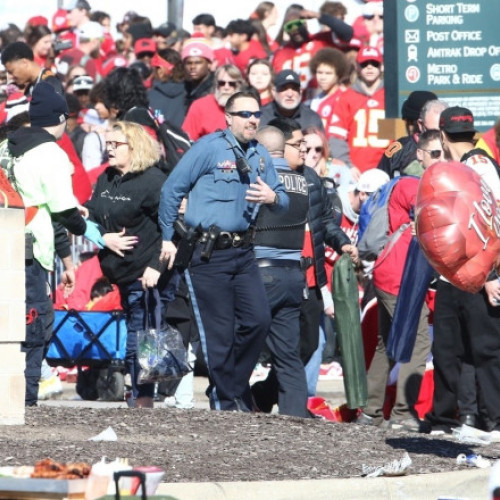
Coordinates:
(115, 144)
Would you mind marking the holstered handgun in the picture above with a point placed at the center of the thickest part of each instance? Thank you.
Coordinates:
(209, 244)
(249, 237)
(187, 238)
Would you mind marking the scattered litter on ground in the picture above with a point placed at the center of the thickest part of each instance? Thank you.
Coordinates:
(394, 468)
(107, 435)
(470, 435)
(473, 460)
(208, 446)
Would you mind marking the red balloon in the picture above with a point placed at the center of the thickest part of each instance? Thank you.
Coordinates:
(457, 224)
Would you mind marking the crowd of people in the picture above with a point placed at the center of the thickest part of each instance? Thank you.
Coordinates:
(227, 170)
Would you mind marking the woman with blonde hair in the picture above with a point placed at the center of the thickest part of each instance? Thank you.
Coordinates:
(126, 198)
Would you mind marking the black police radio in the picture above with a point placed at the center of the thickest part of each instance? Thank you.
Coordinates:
(242, 164)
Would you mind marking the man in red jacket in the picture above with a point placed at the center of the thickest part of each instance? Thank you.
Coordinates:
(82, 188)
(18, 59)
(207, 114)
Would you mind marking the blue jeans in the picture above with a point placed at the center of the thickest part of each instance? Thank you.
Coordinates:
(133, 303)
(314, 364)
(39, 314)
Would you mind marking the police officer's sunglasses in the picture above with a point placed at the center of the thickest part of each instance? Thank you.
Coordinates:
(246, 114)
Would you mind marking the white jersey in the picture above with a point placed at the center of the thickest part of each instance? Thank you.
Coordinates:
(485, 167)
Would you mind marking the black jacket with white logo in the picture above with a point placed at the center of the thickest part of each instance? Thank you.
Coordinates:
(129, 201)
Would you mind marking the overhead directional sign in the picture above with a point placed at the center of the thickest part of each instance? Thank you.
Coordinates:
(449, 47)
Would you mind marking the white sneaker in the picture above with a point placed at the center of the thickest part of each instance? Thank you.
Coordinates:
(259, 373)
(50, 388)
(438, 432)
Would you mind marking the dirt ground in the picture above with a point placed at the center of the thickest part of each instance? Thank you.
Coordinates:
(199, 445)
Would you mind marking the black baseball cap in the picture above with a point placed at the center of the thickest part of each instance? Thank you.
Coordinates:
(457, 120)
(285, 77)
(165, 30)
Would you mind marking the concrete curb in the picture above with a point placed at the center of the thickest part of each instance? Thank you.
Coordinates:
(467, 484)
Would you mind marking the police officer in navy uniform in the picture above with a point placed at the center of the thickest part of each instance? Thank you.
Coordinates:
(278, 245)
(226, 175)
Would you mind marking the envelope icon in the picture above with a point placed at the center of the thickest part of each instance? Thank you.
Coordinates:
(412, 36)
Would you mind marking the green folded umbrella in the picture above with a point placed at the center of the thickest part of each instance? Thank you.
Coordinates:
(348, 325)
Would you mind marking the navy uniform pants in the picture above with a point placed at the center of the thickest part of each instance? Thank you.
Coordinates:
(232, 312)
(284, 288)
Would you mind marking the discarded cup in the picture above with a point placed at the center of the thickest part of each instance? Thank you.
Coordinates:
(473, 460)
(153, 474)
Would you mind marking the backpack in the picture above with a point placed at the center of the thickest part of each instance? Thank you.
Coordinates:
(373, 233)
(175, 141)
(104, 149)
